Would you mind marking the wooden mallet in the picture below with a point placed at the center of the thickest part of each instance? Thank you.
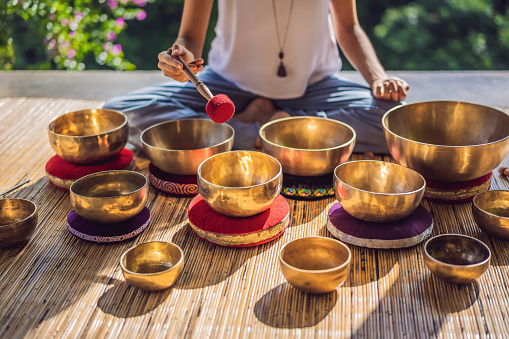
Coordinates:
(219, 107)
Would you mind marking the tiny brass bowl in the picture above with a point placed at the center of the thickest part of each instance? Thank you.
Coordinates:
(456, 258)
(152, 266)
(18, 219)
(447, 141)
(491, 213)
(240, 183)
(315, 264)
(180, 146)
(88, 136)
(378, 191)
(308, 146)
(109, 196)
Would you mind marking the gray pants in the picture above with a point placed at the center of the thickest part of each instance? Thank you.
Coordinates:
(332, 97)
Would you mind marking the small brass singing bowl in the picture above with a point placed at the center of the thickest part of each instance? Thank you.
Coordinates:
(491, 213)
(109, 196)
(180, 146)
(378, 191)
(18, 219)
(308, 146)
(315, 264)
(447, 141)
(240, 183)
(152, 266)
(88, 136)
(456, 258)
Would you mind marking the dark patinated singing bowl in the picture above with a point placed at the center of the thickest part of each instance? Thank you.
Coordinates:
(240, 183)
(18, 219)
(456, 258)
(88, 136)
(315, 264)
(378, 191)
(109, 196)
(308, 146)
(491, 212)
(447, 141)
(180, 146)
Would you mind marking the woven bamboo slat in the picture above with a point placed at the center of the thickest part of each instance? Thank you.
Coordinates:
(59, 286)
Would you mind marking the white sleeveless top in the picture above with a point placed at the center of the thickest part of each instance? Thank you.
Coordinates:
(246, 50)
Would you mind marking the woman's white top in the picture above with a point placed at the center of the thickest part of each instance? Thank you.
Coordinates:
(246, 50)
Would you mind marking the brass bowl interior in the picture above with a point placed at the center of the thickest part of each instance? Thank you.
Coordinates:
(13, 211)
(152, 258)
(186, 134)
(457, 250)
(315, 254)
(239, 169)
(493, 202)
(379, 177)
(307, 134)
(448, 123)
(87, 122)
(109, 184)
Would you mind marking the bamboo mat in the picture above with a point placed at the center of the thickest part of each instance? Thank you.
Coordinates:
(60, 286)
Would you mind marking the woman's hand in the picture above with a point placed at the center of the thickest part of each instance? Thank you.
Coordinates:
(173, 68)
(392, 89)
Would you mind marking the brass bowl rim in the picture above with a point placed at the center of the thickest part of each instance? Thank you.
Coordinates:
(354, 136)
(113, 196)
(347, 261)
(90, 135)
(177, 264)
(279, 174)
(24, 219)
(183, 150)
(474, 201)
(479, 242)
(384, 118)
(380, 193)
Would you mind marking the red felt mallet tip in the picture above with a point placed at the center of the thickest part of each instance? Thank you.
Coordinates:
(220, 108)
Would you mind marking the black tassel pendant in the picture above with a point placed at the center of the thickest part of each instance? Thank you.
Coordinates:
(281, 71)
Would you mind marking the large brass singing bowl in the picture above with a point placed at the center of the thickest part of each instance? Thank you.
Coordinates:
(152, 266)
(240, 183)
(180, 146)
(88, 136)
(315, 264)
(378, 191)
(456, 258)
(447, 141)
(491, 213)
(308, 146)
(109, 196)
(18, 219)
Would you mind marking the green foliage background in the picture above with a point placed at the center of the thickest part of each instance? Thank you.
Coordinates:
(114, 34)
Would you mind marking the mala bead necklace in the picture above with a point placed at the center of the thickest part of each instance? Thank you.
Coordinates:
(281, 71)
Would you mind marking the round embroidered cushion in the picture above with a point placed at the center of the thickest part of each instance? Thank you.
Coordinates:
(173, 184)
(457, 192)
(308, 188)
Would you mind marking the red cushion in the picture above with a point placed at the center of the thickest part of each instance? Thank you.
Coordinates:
(456, 192)
(62, 169)
(238, 232)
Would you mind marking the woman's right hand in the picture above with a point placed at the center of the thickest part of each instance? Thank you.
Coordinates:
(173, 68)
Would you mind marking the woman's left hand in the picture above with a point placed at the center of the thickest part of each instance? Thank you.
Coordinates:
(392, 89)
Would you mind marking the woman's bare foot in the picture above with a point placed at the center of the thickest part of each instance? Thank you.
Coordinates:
(258, 110)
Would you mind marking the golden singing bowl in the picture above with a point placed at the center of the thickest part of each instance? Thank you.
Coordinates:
(315, 264)
(447, 141)
(18, 219)
(378, 191)
(456, 258)
(109, 196)
(240, 183)
(491, 213)
(152, 266)
(308, 146)
(180, 146)
(88, 136)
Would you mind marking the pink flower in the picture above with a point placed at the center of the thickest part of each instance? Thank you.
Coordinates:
(64, 22)
(111, 35)
(140, 3)
(51, 16)
(113, 4)
(120, 22)
(71, 53)
(52, 43)
(78, 17)
(141, 15)
(72, 34)
(116, 49)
